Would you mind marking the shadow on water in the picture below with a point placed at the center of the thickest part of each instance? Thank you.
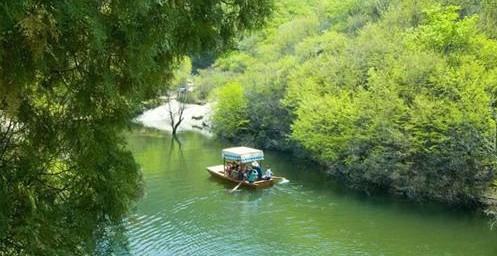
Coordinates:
(113, 241)
(315, 178)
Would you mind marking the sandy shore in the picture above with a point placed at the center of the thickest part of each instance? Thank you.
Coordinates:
(195, 117)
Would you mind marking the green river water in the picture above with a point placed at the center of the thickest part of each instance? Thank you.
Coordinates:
(186, 212)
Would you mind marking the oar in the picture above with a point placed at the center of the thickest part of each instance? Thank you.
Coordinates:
(237, 185)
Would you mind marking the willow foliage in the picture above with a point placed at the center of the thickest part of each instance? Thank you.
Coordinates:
(71, 75)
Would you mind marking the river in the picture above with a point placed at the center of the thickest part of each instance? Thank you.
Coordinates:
(187, 212)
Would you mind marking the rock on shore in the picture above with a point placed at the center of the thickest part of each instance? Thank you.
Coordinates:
(196, 117)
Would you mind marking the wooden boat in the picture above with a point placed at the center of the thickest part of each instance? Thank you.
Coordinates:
(242, 155)
(218, 171)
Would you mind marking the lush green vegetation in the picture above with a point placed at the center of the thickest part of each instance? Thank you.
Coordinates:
(391, 95)
(71, 75)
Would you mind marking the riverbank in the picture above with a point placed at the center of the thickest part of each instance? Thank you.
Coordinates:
(196, 117)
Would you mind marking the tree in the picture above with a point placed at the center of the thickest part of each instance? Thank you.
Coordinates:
(230, 116)
(415, 119)
(176, 108)
(71, 74)
(444, 31)
(179, 95)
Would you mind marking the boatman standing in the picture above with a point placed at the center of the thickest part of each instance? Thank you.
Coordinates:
(268, 174)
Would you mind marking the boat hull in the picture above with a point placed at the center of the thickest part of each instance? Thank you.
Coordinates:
(217, 171)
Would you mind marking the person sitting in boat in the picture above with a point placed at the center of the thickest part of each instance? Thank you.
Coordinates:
(240, 174)
(229, 169)
(234, 174)
(251, 176)
(268, 174)
(256, 166)
(245, 172)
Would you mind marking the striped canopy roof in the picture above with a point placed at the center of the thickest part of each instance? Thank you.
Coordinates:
(243, 154)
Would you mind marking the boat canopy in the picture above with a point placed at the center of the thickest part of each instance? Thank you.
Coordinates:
(243, 154)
